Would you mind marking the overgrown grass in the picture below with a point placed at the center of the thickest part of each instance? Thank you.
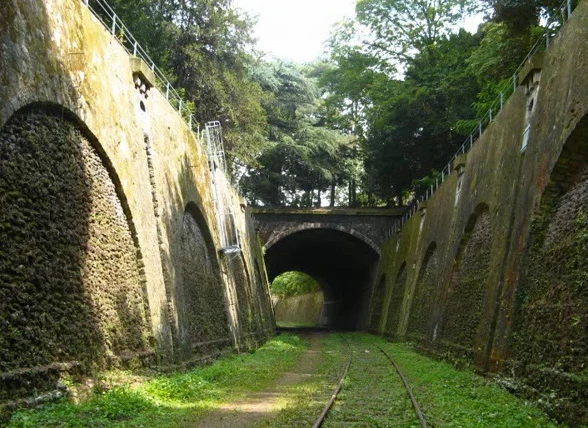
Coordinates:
(175, 400)
(307, 399)
(460, 398)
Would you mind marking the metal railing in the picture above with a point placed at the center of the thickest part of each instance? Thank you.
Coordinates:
(228, 233)
(108, 17)
(552, 28)
(227, 223)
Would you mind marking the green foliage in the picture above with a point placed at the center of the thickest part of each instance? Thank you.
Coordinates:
(401, 29)
(451, 397)
(412, 122)
(302, 156)
(294, 284)
(174, 400)
(204, 47)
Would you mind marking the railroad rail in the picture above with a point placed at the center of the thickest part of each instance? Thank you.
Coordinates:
(324, 414)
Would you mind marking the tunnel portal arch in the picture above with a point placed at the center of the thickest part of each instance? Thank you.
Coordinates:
(342, 263)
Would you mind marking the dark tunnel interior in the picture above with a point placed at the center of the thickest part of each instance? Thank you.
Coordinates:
(341, 263)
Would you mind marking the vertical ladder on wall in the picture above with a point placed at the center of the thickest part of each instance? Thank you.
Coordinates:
(228, 233)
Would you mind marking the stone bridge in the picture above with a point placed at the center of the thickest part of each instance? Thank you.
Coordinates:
(339, 247)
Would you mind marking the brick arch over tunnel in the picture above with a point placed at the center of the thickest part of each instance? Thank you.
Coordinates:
(279, 236)
(342, 264)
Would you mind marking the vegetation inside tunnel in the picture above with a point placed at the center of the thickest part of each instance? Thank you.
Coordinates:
(341, 263)
(297, 299)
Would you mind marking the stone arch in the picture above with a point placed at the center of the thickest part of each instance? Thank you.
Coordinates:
(196, 296)
(425, 294)
(378, 303)
(466, 295)
(551, 318)
(342, 264)
(278, 237)
(396, 298)
(248, 304)
(70, 261)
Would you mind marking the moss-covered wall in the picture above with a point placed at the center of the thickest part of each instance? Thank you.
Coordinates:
(197, 293)
(396, 299)
(72, 287)
(300, 309)
(109, 251)
(424, 295)
(497, 278)
(466, 292)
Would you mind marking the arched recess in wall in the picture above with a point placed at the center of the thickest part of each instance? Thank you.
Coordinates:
(395, 306)
(247, 310)
(196, 294)
(466, 295)
(551, 321)
(425, 295)
(72, 287)
(378, 304)
(262, 298)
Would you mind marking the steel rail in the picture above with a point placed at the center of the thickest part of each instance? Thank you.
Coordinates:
(413, 400)
(323, 415)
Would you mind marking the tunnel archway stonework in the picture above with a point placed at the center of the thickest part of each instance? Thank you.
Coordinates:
(341, 263)
(396, 299)
(197, 292)
(466, 292)
(72, 290)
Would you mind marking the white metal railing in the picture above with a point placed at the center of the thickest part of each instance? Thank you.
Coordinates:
(108, 17)
(228, 234)
(552, 28)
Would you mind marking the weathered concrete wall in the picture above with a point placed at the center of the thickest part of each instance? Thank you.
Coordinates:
(305, 309)
(497, 276)
(108, 231)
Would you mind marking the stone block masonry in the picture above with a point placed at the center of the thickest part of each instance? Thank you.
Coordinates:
(108, 231)
(494, 268)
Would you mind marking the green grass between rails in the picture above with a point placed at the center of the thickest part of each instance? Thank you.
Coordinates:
(306, 400)
(460, 398)
(174, 400)
(448, 397)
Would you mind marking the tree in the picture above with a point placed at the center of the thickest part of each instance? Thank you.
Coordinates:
(400, 29)
(412, 124)
(205, 48)
(294, 283)
(303, 157)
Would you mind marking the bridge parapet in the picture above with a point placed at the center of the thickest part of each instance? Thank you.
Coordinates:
(371, 225)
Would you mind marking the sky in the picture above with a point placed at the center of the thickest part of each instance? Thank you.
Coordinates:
(296, 30)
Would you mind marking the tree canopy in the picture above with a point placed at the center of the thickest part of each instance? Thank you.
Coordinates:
(396, 94)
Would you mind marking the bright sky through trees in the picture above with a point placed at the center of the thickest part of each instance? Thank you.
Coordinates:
(297, 29)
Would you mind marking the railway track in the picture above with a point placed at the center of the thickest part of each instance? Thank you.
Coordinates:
(371, 373)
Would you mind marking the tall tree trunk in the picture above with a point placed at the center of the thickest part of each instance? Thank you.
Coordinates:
(318, 198)
(332, 204)
(352, 193)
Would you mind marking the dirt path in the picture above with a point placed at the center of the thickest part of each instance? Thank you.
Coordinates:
(261, 407)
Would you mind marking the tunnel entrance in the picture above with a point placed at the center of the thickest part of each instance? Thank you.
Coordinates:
(297, 299)
(342, 264)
